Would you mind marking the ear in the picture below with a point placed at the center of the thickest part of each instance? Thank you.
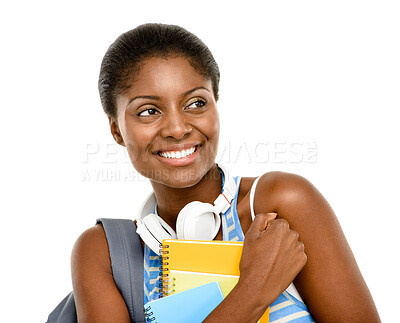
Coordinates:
(115, 131)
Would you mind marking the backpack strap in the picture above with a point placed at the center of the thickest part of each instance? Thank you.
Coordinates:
(65, 312)
(126, 253)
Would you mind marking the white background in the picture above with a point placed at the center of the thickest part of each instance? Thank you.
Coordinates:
(309, 87)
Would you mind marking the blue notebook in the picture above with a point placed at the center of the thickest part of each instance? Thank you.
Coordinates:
(192, 305)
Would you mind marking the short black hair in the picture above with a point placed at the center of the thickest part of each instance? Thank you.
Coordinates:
(124, 57)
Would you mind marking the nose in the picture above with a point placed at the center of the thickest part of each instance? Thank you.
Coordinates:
(176, 125)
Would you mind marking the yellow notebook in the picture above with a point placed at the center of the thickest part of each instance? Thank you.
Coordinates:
(188, 264)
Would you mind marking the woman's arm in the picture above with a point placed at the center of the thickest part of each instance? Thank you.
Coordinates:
(97, 298)
(272, 257)
(330, 283)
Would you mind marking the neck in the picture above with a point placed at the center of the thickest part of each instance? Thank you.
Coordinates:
(171, 200)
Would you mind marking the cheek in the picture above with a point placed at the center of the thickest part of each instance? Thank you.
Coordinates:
(211, 130)
(214, 126)
(137, 145)
(133, 150)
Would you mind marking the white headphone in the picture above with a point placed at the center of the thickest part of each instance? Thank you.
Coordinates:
(196, 221)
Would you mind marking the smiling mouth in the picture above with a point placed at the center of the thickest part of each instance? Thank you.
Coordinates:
(178, 154)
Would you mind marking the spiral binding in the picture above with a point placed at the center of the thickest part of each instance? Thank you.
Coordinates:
(166, 279)
(160, 274)
(148, 314)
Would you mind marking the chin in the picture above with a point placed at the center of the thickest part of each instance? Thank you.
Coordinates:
(180, 178)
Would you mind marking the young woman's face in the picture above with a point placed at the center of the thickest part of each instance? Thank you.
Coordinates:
(169, 122)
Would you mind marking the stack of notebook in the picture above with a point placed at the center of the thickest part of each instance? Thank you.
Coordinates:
(188, 264)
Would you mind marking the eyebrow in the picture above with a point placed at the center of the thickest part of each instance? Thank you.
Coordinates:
(195, 89)
(148, 97)
(153, 97)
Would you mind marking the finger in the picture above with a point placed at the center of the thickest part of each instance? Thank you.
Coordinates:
(261, 222)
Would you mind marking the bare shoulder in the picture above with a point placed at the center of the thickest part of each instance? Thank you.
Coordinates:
(97, 298)
(280, 192)
(288, 184)
(276, 189)
(91, 246)
(274, 192)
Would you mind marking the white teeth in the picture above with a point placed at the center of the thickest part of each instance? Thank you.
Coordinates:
(178, 154)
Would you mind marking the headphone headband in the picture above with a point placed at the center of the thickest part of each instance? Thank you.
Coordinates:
(228, 193)
(196, 221)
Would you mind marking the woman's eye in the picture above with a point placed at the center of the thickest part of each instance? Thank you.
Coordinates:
(148, 112)
(197, 104)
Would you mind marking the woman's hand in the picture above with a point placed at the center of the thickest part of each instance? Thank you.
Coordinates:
(272, 257)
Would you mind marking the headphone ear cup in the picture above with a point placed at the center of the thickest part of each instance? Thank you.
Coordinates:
(154, 230)
(158, 227)
(197, 221)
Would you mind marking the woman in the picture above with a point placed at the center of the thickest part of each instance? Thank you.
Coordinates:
(159, 87)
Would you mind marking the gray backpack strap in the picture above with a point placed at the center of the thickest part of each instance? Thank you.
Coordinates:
(126, 255)
(65, 312)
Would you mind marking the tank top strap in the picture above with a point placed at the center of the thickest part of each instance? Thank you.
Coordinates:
(231, 228)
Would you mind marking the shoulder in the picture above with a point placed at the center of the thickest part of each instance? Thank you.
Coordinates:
(277, 191)
(92, 234)
(91, 246)
(275, 188)
(292, 196)
(274, 181)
